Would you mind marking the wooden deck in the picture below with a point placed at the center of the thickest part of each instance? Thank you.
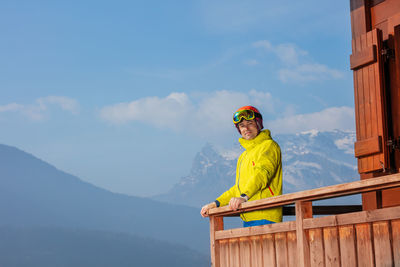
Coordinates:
(365, 238)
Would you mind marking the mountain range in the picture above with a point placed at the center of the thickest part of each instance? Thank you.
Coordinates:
(36, 194)
(66, 247)
(52, 218)
(309, 160)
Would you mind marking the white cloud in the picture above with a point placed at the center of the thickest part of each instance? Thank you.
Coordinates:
(65, 103)
(11, 107)
(287, 53)
(205, 114)
(40, 108)
(263, 44)
(210, 114)
(341, 118)
(308, 73)
(168, 112)
(251, 62)
(295, 66)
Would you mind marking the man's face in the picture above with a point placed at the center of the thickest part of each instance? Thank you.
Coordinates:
(248, 129)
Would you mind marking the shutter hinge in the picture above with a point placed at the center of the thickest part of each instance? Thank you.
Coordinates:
(387, 53)
(394, 143)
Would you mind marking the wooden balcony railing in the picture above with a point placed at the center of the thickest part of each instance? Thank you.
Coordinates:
(361, 238)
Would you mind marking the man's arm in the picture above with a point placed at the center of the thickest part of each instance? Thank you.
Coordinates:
(224, 199)
(206, 208)
(220, 201)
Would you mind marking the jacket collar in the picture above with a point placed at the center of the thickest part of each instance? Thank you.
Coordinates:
(262, 136)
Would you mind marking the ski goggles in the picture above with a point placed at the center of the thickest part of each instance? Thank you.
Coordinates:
(243, 114)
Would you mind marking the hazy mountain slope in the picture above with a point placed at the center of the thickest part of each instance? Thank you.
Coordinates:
(33, 192)
(210, 174)
(310, 160)
(57, 247)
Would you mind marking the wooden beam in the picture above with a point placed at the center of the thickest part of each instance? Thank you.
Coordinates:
(324, 210)
(216, 224)
(368, 185)
(371, 200)
(368, 146)
(396, 240)
(363, 58)
(375, 2)
(385, 214)
(397, 53)
(303, 249)
(256, 230)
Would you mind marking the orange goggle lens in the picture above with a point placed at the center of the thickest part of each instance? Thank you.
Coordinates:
(243, 114)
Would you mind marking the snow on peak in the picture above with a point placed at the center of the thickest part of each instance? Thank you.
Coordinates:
(311, 133)
(309, 160)
(346, 143)
(231, 154)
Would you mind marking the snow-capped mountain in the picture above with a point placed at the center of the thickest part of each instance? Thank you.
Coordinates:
(315, 159)
(310, 160)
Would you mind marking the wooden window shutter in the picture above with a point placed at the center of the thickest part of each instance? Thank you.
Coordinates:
(371, 124)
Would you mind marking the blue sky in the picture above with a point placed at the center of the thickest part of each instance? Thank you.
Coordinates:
(123, 94)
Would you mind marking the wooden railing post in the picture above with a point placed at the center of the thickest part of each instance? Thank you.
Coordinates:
(303, 211)
(216, 224)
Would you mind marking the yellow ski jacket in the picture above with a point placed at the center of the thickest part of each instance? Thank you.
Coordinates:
(258, 175)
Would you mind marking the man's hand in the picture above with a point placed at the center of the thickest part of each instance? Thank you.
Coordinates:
(235, 202)
(206, 208)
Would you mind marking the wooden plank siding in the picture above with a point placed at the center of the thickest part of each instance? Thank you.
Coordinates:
(347, 241)
(383, 14)
(360, 17)
(256, 251)
(245, 252)
(224, 253)
(281, 250)
(268, 249)
(316, 245)
(396, 242)
(382, 246)
(234, 255)
(363, 238)
(364, 243)
(371, 133)
(292, 248)
(331, 245)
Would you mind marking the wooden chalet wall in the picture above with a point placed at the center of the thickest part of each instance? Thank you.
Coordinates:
(364, 238)
(340, 240)
(375, 62)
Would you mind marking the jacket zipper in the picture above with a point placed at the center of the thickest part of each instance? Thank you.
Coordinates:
(240, 167)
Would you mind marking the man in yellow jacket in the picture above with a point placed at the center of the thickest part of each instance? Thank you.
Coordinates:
(258, 170)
